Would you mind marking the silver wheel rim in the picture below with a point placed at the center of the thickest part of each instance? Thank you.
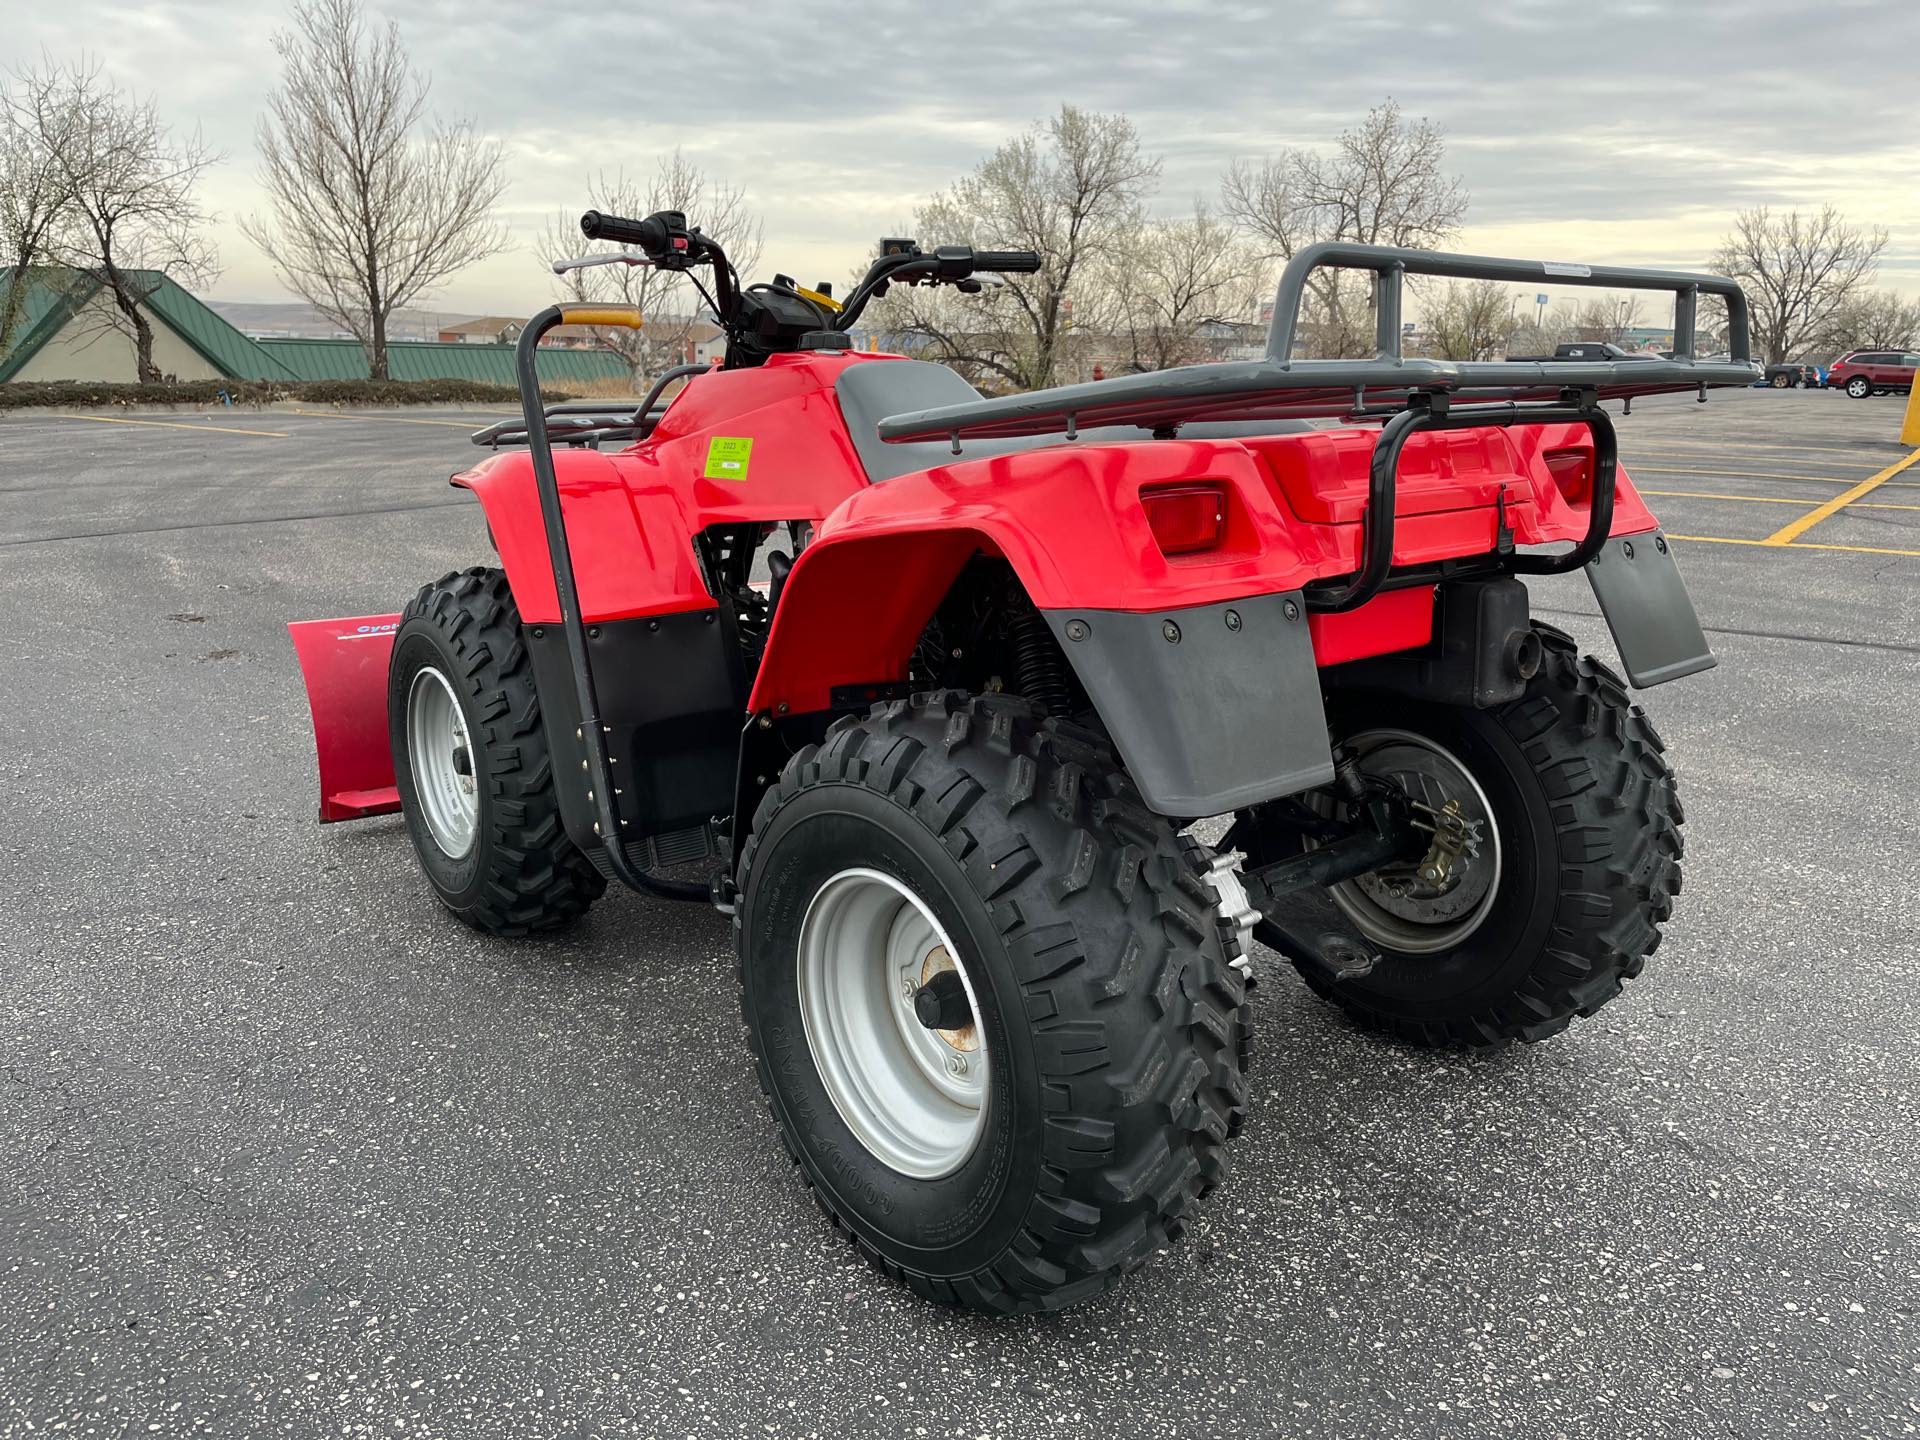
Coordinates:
(1857, 387)
(437, 749)
(1390, 906)
(916, 1098)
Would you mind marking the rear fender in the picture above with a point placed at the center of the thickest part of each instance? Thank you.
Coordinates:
(1224, 715)
(1069, 522)
(628, 537)
(344, 663)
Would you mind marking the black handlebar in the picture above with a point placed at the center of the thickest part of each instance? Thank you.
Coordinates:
(649, 234)
(1008, 262)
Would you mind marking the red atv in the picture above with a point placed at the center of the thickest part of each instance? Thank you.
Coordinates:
(932, 685)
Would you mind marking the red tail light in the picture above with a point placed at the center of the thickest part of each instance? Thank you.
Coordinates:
(1572, 472)
(1186, 518)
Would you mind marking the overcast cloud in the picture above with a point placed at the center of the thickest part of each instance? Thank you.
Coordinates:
(1591, 131)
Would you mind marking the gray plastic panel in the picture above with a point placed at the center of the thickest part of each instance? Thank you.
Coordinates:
(1226, 715)
(1648, 610)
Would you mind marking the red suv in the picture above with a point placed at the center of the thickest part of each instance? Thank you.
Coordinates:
(1867, 372)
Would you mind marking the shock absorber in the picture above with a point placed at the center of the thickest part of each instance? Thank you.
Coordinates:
(1039, 668)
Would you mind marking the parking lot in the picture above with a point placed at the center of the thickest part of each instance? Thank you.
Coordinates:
(284, 1149)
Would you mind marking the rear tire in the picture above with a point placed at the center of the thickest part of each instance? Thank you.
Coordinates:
(490, 842)
(1859, 387)
(1588, 825)
(1106, 1014)
(1781, 382)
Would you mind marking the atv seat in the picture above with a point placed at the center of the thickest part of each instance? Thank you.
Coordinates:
(871, 390)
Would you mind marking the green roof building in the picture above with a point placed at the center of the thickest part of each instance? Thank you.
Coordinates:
(68, 332)
(434, 360)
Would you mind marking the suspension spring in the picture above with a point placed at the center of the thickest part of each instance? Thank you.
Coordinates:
(1039, 667)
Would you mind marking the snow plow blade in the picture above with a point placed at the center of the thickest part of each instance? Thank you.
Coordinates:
(344, 663)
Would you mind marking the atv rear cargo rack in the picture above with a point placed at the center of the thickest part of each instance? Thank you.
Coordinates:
(1409, 394)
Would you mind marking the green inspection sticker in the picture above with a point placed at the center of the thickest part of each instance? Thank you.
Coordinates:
(727, 457)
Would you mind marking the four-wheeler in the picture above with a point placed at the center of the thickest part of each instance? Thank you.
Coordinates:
(931, 687)
(1873, 372)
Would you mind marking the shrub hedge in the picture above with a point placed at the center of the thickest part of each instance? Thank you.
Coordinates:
(78, 394)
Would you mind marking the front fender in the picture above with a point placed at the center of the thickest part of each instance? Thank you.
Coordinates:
(628, 542)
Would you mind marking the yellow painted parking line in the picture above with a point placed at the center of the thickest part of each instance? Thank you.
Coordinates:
(390, 419)
(1789, 533)
(1793, 545)
(1768, 499)
(172, 425)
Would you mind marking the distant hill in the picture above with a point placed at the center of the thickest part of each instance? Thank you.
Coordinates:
(299, 321)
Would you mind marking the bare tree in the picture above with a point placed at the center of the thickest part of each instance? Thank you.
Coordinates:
(130, 183)
(1798, 271)
(374, 204)
(670, 307)
(1472, 321)
(1872, 320)
(1606, 317)
(1069, 187)
(1383, 184)
(1168, 283)
(37, 116)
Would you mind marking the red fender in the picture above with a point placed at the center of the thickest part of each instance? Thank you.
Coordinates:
(344, 663)
(1070, 523)
(628, 538)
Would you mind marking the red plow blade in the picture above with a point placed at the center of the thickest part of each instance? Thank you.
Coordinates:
(345, 666)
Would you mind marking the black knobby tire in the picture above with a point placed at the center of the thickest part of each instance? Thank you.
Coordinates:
(522, 873)
(1109, 1015)
(1590, 826)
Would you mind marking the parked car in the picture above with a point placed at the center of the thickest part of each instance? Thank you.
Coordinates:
(1873, 372)
(1591, 350)
(1794, 376)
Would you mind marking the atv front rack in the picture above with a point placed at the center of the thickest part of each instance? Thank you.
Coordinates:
(1409, 395)
(588, 422)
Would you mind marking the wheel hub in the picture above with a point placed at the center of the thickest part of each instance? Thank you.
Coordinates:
(892, 1021)
(440, 754)
(1433, 901)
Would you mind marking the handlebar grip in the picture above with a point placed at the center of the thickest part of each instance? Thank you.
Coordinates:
(1007, 262)
(649, 234)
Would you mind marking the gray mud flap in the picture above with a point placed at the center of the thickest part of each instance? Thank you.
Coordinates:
(1648, 610)
(1213, 707)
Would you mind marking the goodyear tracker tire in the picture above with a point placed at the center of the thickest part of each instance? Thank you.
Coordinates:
(495, 851)
(1589, 825)
(1106, 1016)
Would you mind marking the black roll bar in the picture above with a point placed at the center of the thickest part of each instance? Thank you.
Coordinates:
(592, 734)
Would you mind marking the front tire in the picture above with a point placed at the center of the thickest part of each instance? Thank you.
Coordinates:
(470, 758)
(1579, 862)
(1099, 1072)
(1781, 382)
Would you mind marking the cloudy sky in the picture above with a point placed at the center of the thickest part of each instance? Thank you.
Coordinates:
(1600, 131)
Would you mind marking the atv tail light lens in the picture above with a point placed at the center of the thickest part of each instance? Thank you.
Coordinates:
(1572, 471)
(1186, 518)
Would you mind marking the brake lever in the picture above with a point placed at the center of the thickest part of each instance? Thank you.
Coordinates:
(584, 262)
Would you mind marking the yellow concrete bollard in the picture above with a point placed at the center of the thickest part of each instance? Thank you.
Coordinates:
(1910, 432)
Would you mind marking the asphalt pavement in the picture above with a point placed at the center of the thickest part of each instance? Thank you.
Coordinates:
(285, 1150)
